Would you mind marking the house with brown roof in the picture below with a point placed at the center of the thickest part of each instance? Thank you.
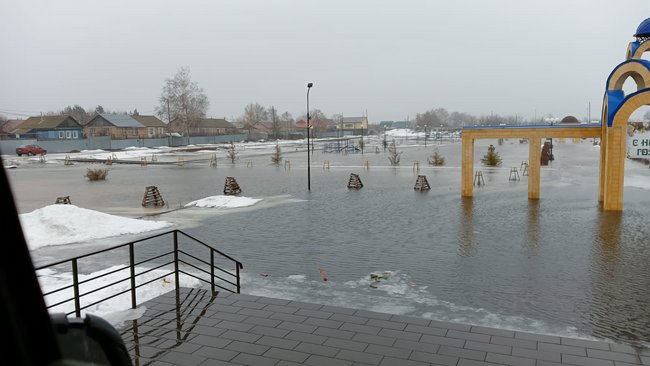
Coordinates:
(204, 127)
(6, 127)
(63, 127)
(155, 127)
(117, 126)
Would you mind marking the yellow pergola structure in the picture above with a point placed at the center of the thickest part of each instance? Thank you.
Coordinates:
(534, 135)
(616, 112)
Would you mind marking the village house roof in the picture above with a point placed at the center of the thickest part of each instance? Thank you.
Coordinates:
(46, 123)
(354, 119)
(118, 120)
(150, 121)
(10, 125)
(214, 123)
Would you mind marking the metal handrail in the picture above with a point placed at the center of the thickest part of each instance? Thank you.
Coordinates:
(231, 284)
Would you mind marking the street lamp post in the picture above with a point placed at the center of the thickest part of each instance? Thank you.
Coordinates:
(309, 85)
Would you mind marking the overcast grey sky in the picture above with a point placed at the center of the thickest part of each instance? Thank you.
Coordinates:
(392, 59)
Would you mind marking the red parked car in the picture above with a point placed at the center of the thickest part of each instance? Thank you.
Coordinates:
(30, 150)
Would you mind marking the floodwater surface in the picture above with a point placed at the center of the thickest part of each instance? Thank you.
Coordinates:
(559, 265)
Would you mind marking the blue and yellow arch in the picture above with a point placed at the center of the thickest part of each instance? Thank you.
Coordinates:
(616, 112)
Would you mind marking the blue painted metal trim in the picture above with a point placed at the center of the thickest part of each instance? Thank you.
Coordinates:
(614, 101)
(633, 47)
(621, 103)
(645, 63)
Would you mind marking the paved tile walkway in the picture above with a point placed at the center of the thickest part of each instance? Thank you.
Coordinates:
(236, 329)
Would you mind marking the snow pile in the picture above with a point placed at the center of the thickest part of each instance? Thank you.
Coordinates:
(64, 224)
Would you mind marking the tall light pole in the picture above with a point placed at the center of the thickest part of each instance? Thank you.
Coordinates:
(309, 85)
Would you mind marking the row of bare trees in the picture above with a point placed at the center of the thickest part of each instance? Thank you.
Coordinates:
(183, 100)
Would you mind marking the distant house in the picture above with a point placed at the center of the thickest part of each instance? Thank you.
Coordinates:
(62, 127)
(401, 125)
(354, 124)
(155, 127)
(204, 127)
(316, 124)
(6, 127)
(117, 126)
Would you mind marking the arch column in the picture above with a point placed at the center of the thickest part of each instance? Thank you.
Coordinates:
(603, 159)
(616, 149)
(614, 168)
(467, 168)
(534, 164)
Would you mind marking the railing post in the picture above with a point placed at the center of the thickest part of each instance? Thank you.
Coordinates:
(132, 268)
(212, 270)
(75, 287)
(237, 269)
(176, 260)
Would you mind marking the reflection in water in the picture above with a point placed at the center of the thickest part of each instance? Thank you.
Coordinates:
(616, 305)
(609, 239)
(168, 326)
(466, 242)
(532, 241)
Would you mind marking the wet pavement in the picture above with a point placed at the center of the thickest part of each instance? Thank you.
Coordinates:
(192, 327)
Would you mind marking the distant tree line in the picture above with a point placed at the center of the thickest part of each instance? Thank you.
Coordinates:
(84, 115)
(440, 117)
(184, 101)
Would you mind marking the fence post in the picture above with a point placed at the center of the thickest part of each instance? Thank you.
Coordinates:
(75, 286)
(176, 260)
(212, 270)
(237, 269)
(134, 303)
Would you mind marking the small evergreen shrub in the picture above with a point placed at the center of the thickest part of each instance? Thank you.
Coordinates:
(492, 158)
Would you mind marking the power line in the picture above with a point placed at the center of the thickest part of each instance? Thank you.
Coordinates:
(23, 114)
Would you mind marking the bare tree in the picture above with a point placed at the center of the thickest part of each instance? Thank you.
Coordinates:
(182, 99)
(275, 121)
(317, 119)
(287, 121)
(461, 119)
(429, 118)
(255, 113)
(393, 156)
(443, 116)
(79, 113)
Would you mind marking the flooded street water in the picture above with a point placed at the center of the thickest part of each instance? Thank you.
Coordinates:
(559, 265)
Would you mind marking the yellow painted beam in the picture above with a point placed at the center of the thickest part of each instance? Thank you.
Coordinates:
(522, 133)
